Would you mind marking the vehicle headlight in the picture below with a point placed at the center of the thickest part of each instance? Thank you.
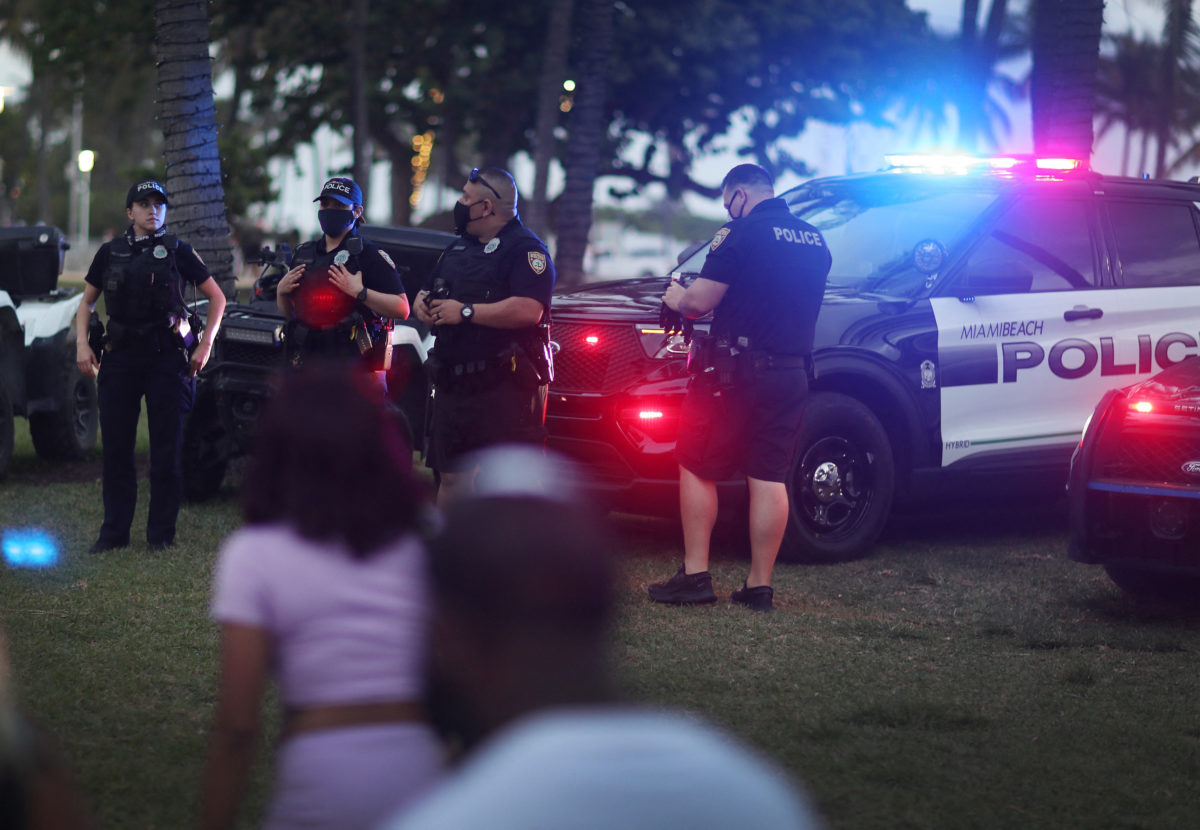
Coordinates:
(259, 337)
(659, 345)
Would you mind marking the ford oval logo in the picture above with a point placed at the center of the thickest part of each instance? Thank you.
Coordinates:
(1191, 468)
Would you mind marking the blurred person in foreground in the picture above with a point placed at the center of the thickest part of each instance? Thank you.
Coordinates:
(523, 582)
(488, 301)
(763, 281)
(325, 591)
(37, 790)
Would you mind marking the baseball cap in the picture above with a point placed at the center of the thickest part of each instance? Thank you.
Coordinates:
(344, 190)
(143, 189)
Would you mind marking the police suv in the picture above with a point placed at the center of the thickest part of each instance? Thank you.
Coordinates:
(976, 311)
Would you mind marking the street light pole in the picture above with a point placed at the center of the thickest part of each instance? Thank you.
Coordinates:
(87, 160)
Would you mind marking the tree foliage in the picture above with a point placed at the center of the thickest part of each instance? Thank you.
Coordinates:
(686, 79)
(778, 65)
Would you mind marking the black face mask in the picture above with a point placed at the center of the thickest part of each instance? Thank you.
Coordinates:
(334, 222)
(462, 216)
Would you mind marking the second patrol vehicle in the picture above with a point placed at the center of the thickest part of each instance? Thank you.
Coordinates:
(975, 312)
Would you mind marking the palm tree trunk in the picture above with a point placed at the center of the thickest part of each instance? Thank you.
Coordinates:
(188, 116)
(586, 137)
(1066, 54)
(554, 67)
(358, 92)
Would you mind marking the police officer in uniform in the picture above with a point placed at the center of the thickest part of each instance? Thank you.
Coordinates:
(341, 292)
(764, 279)
(151, 348)
(488, 301)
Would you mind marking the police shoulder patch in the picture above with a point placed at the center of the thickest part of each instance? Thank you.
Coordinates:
(384, 256)
(537, 261)
(718, 238)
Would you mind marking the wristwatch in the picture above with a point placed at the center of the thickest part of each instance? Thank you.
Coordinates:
(468, 312)
(361, 296)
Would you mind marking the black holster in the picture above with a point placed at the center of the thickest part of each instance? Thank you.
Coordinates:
(95, 336)
(712, 357)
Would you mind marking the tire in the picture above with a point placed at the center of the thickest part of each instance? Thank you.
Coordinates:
(6, 431)
(1149, 584)
(205, 456)
(842, 481)
(68, 433)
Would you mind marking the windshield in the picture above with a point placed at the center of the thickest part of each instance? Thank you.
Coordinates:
(873, 225)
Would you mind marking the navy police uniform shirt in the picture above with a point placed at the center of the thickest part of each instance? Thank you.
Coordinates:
(378, 274)
(515, 263)
(775, 266)
(187, 262)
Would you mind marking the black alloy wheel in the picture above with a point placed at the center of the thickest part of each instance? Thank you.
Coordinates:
(842, 482)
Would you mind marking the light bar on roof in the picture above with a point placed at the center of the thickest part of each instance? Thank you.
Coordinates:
(1057, 164)
(951, 163)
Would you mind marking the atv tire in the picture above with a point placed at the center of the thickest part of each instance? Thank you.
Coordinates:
(68, 433)
(6, 431)
(204, 454)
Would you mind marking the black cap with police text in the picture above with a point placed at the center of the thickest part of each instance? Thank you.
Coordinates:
(344, 190)
(143, 189)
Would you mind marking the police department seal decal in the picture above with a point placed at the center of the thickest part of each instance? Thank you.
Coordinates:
(492, 245)
(341, 257)
(384, 256)
(928, 376)
(537, 261)
(160, 252)
(718, 238)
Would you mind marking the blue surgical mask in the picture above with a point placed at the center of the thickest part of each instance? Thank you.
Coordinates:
(334, 222)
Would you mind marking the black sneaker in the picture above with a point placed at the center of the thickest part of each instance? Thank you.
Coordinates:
(760, 598)
(684, 589)
(161, 544)
(102, 544)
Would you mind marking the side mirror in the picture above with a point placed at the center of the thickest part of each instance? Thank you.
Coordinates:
(997, 276)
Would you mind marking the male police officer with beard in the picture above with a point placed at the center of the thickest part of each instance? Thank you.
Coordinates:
(765, 277)
(488, 300)
(342, 292)
(151, 348)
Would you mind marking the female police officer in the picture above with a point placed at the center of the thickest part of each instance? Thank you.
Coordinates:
(342, 292)
(150, 349)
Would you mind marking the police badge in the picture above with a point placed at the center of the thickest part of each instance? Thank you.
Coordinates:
(537, 261)
(341, 257)
(160, 252)
(492, 245)
(718, 238)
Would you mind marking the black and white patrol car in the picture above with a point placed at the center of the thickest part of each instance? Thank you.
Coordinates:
(1134, 489)
(976, 311)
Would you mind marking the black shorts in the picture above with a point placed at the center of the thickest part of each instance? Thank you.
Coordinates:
(462, 421)
(749, 429)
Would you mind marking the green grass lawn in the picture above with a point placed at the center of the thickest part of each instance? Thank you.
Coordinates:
(967, 675)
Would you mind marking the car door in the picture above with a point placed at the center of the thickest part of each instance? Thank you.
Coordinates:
(1027, 335)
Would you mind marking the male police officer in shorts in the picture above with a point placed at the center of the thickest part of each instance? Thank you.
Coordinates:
(341, 292)
(488, 300)
(764, 279)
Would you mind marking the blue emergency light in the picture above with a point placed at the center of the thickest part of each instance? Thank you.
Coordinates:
(29, 548)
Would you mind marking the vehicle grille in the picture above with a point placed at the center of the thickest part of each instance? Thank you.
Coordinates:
(253, 354)
(1150, 457)
(615, 361)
